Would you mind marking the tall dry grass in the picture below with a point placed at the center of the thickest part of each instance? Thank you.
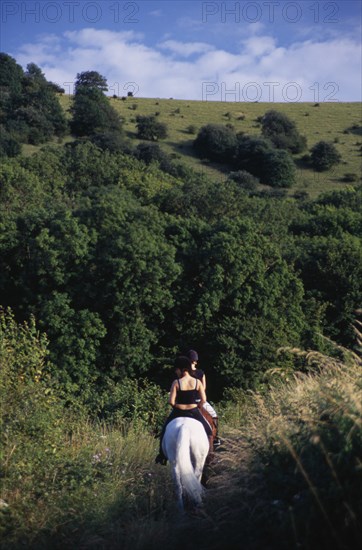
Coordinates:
(306, 441)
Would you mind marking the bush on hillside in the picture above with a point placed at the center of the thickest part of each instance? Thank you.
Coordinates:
(151, 152)
(279, 169)
(112, 141)
(9, 147)
(216, 143)
(244, 179)
(251, 153)
(150, 129)
(324, 155)
(282, 132)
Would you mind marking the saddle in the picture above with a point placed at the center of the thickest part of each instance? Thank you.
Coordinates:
(210, 420)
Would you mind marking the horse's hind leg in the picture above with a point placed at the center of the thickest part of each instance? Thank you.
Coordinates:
(199, 466)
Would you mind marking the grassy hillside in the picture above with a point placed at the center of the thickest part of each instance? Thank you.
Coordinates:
(339, 123)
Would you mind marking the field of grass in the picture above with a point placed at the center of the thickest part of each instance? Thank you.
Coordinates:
(339, 123)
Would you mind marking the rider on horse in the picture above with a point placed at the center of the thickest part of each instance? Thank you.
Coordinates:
(199, 373)
(186, 395)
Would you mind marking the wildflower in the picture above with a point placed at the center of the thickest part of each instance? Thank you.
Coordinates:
(97, 458)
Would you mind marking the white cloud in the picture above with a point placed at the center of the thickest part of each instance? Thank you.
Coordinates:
(185, 49)
(167, 70)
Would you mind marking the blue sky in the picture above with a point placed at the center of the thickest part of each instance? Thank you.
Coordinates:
(225, 51)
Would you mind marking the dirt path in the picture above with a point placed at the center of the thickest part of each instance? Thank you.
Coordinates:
(232, 498)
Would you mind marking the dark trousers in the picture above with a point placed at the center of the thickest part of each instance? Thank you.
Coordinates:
(191, 413)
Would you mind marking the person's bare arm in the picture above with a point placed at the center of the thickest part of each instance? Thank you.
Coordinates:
(173, 392)
(201, 391)
(204, 382)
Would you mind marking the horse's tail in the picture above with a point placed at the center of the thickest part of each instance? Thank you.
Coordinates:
(191, 486)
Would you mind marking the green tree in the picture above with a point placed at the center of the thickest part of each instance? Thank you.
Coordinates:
(324, 155)
(11, 77)
(282, 132)
(278, 169)
(237, 300)
(87, 166)
(91, 110)
(216, 142)
(30, 108)
(77, 334)
(251, 153)
(9, 147)
(244, 179)
(130, 281)
(90, 80)
(151, 129)
(328, 255)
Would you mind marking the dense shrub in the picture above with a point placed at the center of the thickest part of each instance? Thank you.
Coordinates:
(244, 179)
(112, 141)
(216, 143)
(282, 132)
(31, 112)
(279, 169)
(149, 152)
(324, 155)
(9, 147)
(251, 153)
(149, 128)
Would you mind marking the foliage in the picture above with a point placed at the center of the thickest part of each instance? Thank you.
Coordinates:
(63, 473)
(332, 267)
(244, 179)
(216, 142)
(151, 129)
(279, 169)
(91, 111)
(125, 255)
(292, 470)
(328, 122)
(9, 147)
(233, 303)
(324, 155)
(151, 152)
(138, 402)
(110, 140)
(90, 80)
(251, 153)
(30, 110)
(282, 132)
(306, 438)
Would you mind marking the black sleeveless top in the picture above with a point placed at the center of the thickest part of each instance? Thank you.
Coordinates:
(187, 397)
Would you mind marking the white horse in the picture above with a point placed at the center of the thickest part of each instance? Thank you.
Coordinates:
(186, 446)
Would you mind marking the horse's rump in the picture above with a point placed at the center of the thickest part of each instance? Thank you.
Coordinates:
(186, 446)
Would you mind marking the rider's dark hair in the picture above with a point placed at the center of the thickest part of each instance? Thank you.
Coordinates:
(183, 363)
